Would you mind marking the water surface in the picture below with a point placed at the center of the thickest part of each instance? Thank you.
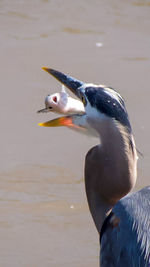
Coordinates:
(44, 218)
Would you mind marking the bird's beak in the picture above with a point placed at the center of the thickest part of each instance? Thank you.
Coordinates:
(67, 121)
(44, 110)
(70, 82)
(62, 121)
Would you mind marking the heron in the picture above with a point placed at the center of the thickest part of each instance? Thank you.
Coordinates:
(122, 218)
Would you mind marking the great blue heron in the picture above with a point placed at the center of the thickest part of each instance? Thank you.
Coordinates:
(122, 219)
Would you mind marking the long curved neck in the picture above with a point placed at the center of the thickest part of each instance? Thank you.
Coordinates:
(110, 170)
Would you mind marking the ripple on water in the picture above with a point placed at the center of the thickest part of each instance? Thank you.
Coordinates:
(40, 184)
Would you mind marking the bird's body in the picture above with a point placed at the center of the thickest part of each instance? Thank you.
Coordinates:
(62, 103)
(110, 174)
(125, 240)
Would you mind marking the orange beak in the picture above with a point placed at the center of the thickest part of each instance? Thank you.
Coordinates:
(62, 121)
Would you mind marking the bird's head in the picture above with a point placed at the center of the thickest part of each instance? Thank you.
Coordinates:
(100, 102)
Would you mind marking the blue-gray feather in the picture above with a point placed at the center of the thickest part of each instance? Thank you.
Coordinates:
(128, 243)
(109, 102)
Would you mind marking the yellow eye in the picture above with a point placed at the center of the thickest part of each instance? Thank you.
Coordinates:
(84, 100)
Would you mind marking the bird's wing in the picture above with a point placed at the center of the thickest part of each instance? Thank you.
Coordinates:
(125, 240)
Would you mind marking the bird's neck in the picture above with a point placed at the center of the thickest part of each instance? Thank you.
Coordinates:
(110, 170)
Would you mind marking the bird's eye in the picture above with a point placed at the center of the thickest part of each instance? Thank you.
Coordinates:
(55, 99)
(83, 100)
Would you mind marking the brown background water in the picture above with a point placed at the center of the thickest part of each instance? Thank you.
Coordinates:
(44, 218)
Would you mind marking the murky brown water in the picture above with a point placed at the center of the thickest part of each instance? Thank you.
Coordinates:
(44, 218)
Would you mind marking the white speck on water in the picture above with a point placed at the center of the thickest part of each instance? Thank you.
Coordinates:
(99, 44)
